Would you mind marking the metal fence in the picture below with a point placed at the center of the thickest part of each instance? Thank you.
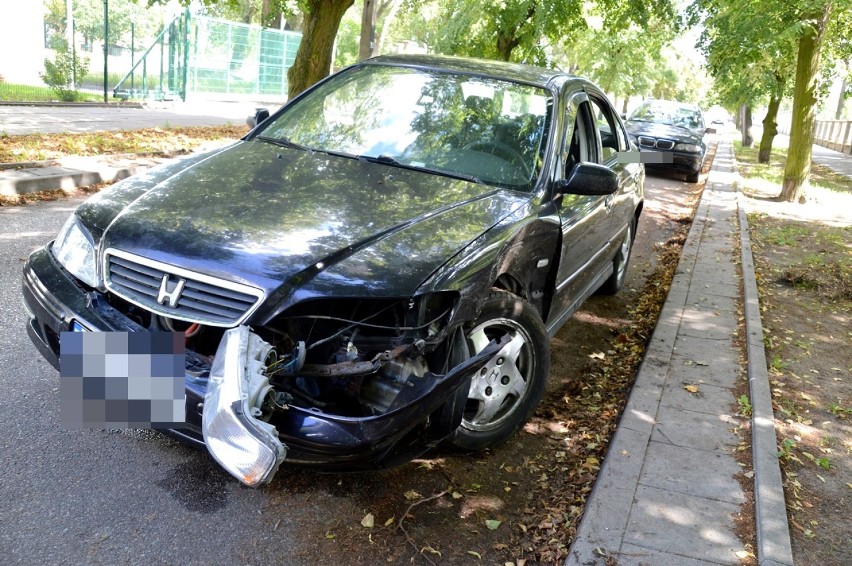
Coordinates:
(232, 58)
(186, 55)
(834, 134)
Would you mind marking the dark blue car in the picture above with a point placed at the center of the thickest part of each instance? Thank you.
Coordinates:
(374, 269)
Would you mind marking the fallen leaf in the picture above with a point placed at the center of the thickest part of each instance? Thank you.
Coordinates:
(474, 553)
(411, 495)
(390, 521)
(492, 524)
(430, 550)
(597, 356)
(691, 388)
(457, 495)
(368, 521)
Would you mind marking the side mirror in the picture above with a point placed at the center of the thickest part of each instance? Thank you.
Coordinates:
(710, 131)
(260, 114)
(624, 115)
(588, 179)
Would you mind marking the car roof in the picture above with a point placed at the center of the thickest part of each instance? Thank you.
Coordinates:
(516, 72)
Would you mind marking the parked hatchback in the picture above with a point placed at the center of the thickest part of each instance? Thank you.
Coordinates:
(376, 268)
(674, 131)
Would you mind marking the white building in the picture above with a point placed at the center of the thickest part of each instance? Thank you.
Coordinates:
(21, 41)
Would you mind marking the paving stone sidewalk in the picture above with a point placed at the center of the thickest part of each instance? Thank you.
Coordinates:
(668, 492)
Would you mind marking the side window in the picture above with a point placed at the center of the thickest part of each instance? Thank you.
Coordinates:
(582, 145)
(612, 136)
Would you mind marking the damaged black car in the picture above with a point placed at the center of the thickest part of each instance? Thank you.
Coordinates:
(376, 268)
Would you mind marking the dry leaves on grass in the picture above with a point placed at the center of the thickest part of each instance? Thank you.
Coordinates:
(40, 147)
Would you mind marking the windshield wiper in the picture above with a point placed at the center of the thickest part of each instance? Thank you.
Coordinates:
(284, 142)
(388, 160)
(385, 159)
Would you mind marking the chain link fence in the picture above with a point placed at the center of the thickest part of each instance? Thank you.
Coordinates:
(178, 55)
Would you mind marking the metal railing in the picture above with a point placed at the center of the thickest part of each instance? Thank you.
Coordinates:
(834, 134)
(168, 76)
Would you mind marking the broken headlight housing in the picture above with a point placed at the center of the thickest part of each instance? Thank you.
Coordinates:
(74, 248)
(247, 447)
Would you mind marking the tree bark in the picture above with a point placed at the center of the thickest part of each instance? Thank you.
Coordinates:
(745, 122)
(269, 16)
(841, 100)
(386, 13)
(798, 167)
(313, 59)
(368, 30)
(505, 45)
(770, 130)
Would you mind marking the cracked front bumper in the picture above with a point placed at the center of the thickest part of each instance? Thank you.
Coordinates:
(55, 301)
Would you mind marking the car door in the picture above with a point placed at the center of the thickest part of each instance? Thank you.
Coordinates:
(613, 139)
(585, 219)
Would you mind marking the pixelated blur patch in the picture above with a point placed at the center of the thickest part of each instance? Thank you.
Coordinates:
(645, 156)
(122, 379)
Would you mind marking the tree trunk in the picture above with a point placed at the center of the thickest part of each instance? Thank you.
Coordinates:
(269, 16)
(798, 167)
(368, 30)
(770, 130)
(745, 125)
(841, 100)
(386, 14)
(505, 45)
(313, 59)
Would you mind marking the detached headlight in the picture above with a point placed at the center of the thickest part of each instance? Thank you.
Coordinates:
(75, 250)
(246, 447)
(690, 147)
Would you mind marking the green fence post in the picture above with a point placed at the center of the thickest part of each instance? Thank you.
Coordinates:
(106, 48)
(185, 55)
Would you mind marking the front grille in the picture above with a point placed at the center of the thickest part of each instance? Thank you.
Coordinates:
(157, 287)
(647, 141)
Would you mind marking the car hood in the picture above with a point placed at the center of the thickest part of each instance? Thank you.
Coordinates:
(667, 131)
(289, 220)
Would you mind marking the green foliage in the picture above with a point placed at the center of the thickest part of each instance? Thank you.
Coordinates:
(521, 30)
(785, 451)
(749, 48)
(29, 93)
(745, 405)
(60, 73)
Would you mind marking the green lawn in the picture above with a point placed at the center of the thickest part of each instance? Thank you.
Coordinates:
(28, 93)
(763, 176)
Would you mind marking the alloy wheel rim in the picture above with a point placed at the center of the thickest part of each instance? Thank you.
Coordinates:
(498, 389)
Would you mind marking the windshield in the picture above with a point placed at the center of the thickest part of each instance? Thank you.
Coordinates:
(670, 114)
(490, 130)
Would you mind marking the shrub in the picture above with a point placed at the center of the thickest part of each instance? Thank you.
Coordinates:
(59, 73)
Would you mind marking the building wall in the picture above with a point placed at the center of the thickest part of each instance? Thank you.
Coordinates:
(21, 41)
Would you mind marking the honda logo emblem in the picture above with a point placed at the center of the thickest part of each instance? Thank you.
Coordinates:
(171, 296)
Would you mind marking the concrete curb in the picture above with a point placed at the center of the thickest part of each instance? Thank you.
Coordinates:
(29, 182)
(773, 531)
(74, 104)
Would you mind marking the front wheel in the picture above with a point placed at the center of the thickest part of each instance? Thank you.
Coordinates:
(505, 392)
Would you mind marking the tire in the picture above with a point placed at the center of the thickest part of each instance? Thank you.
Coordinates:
(504, 394)
(693, 177)
(619, 264)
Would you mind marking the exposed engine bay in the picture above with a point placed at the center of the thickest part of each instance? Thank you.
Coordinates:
(345, 357)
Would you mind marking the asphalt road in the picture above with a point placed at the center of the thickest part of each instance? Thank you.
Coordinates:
(138, 497)
(31, 119)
